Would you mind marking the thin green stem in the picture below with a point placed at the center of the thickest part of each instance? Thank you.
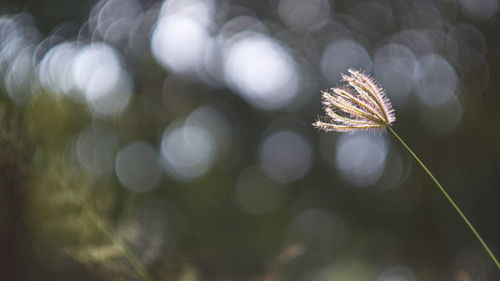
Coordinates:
(459, 211)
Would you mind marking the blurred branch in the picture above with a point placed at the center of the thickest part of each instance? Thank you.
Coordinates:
(118, 242)
(287, 255)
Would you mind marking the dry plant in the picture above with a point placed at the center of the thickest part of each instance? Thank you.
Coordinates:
(362, 105)
(65, 209)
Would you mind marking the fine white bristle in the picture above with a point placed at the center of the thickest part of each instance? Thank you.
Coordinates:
(360, 105)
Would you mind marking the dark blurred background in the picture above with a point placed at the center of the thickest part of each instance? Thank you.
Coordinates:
(177, 134)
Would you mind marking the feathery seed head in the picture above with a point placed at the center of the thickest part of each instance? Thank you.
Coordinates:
(360, 105)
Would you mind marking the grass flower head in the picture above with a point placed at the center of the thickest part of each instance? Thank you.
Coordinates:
(359, 105)
(362, 105)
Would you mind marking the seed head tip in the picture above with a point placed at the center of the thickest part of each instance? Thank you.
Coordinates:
(361, 104)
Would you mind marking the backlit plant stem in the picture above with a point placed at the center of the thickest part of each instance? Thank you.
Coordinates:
(440, 187)
(122, 245)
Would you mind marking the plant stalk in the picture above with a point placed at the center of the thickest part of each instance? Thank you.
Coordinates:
(122, 245)
(455, 206)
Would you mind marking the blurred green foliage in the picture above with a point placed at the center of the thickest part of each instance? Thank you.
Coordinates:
(238, 220)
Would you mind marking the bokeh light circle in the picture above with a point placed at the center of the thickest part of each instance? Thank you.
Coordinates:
(285, 156)
(98, 73)
(137, 167)
(341, 55)
(188, 152)
(360, 158)
(262, 71)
